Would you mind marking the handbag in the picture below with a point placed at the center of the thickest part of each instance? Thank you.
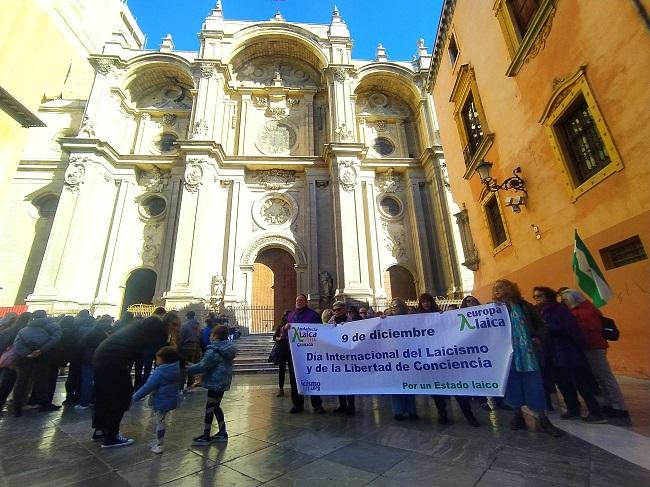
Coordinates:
(8, 358)
(610, 330)
(274, 356)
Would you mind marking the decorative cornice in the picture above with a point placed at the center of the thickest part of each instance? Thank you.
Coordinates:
(441, 39)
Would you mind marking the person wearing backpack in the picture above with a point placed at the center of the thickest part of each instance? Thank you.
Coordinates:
(34, 365)
(590, 322)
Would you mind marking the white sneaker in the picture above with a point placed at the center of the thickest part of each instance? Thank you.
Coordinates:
(79, 407)
(157, 449)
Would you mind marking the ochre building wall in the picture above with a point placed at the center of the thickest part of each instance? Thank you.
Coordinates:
(612, 43)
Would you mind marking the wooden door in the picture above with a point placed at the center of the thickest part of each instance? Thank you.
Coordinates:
(274, 289)
(399, 283)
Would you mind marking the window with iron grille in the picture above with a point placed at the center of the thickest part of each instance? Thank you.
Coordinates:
(522, 12)
(584, 147)
(623, 253)
(495, 222)
(472, 124)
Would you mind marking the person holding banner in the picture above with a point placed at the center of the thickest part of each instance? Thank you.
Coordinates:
(346, 403)
(403, 404)
(525, 385)
(302, 314)
(427, 304)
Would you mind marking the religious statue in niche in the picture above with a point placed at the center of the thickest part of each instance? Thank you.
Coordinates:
(275, 211)
(217, 291)
(325, 284)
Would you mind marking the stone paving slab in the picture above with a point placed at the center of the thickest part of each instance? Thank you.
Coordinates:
(268, 446)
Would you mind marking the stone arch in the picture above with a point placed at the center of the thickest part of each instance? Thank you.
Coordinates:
(139, 276)
(400, 277)
(152, 72)
(299, 42)
(268, 241)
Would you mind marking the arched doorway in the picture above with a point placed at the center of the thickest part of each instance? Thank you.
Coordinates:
(399, 283)
(140, 288)
(274, 289)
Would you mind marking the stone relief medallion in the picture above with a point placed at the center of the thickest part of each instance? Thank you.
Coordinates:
(277, 138)
(348, 175)
(193, 175)
(378, 99)
(275, 210)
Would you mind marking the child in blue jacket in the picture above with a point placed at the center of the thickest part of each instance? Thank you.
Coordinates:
(163, 385)
(216, 369)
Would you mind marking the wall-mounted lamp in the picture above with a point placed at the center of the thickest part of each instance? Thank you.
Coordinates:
(514, 182)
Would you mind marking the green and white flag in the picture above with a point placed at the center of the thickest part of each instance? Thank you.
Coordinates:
(590, 279)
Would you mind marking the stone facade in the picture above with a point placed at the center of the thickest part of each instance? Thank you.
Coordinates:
(191, 164)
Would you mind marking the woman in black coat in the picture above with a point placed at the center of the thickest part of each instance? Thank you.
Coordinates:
(111, 367)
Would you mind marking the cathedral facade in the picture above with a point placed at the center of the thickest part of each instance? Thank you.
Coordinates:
(267, 163)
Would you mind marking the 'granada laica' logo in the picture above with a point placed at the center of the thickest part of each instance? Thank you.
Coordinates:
(304, 336)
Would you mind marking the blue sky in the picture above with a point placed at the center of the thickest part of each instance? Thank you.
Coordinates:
(396, 24)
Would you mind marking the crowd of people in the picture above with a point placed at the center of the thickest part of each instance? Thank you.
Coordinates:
(558, 344)
(101, 357)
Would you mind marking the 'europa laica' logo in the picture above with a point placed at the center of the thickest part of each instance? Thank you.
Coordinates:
(481, 319)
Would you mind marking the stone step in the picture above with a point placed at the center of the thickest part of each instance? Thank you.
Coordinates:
(255, 371)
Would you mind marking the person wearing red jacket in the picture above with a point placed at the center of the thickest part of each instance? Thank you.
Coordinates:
(590, 323)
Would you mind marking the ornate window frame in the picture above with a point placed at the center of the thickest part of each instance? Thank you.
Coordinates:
(384, 214)
(524, 48)
(464, 86)
(487, 198)
(564, 96)
(144, 214)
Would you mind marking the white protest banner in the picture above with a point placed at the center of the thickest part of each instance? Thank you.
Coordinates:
(460, 352)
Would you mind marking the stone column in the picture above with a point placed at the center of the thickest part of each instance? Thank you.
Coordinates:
(231, 251)
(418, 222)
(342, 122)
(208, 106)
(350, 223)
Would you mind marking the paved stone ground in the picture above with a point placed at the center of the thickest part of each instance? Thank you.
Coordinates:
(270, 447)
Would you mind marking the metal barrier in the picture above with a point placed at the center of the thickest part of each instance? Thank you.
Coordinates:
(141, 310)
(252, 319)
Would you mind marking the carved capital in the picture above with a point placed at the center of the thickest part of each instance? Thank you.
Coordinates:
(207, 70)
(104, 66)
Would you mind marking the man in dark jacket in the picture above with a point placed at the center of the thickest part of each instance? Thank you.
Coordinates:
(35, 365)
(302, 314)
(189, 345)
(82, 325)
(111, 366)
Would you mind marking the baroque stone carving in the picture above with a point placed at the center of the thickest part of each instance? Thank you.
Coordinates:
(150, 250)
(260, 101)
(348, 174)
(75, 173)
(154, 181)
(325, 284)
(104, 66)
(340, 75)
(322, 184)
(200, 129)
(276, 113)
(169, 119)
(445, 176)
(226, 183)
(293, 101)
(396, 244)
(265, 71)
(193, 175)
(390, 182)
(274, 179)
(87, 128)
(276, 211)
(277, 138)
(207, 70)
(343, 133)
(381, 125)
